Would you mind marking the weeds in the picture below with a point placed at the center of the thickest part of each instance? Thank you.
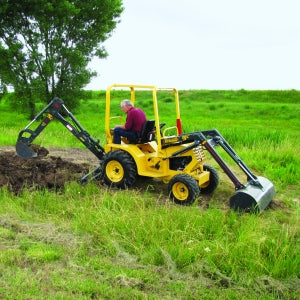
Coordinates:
(93, 242)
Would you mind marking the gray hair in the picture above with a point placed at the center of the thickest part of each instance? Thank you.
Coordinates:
(126, 102)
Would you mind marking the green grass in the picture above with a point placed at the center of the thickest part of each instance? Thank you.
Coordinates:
(90, 242)
(86, 243)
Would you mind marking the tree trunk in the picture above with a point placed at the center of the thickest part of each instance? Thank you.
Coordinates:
(32, 109)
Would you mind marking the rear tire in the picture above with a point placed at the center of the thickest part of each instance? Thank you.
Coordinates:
(210, 186)
(119, 169)
(183, 189)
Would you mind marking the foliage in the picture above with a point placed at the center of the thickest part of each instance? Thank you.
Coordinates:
(45, 46)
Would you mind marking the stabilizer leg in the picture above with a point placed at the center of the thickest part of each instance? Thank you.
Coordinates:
(93, 175)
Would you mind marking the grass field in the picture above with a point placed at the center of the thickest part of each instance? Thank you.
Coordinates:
(95, 243)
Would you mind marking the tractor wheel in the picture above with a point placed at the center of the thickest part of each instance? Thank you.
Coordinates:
(119, 169)
(183, 189)
(210, 186)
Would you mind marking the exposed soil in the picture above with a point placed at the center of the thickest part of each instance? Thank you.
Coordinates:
(54, 167)
(51, 169)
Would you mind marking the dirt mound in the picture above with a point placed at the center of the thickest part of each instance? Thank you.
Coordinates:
(42, 172)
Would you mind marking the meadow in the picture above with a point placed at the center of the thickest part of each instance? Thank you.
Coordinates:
(91, 242)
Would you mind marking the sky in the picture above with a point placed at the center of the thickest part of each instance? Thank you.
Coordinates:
(204, 44)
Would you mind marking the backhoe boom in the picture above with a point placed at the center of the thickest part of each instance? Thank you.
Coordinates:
(52, 109)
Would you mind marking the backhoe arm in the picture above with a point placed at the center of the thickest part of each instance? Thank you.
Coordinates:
(26, 135)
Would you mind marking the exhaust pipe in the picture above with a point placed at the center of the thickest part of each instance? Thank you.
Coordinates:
(253, 197)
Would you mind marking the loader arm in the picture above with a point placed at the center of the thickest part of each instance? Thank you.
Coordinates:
(209, 140)
(214, 138)
(27, 135)
(257, 192)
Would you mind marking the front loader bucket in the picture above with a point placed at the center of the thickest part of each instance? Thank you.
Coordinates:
(253, 197)
(24, 150)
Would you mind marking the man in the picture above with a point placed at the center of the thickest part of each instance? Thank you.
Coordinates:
(134, 123)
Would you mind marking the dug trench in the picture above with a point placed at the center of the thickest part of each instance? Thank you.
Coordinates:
(55, 167)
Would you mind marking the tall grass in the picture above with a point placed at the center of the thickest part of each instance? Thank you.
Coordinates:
(89, 241)
(135, 244)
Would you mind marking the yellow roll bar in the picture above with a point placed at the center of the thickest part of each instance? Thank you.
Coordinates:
(133, 88)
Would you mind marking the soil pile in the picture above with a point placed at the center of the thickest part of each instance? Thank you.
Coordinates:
(44, 171)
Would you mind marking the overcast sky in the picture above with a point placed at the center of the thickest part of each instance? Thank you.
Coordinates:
(204, 44)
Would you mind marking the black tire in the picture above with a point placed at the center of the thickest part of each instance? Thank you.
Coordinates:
(119, 169)
(213, 180)
(183, 189)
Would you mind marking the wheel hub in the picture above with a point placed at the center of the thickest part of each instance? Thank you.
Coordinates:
(180, 191)
(114, 171)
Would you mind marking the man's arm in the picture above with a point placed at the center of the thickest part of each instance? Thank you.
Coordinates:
(120, 126)
(130, 119)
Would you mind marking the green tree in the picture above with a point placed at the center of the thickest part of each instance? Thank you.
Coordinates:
(46, 45)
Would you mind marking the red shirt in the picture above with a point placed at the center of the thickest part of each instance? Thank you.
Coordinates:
(135, 119)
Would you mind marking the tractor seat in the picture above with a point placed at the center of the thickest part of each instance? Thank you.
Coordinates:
(147, 134)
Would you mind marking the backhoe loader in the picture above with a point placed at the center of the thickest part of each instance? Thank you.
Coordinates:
(176, 158)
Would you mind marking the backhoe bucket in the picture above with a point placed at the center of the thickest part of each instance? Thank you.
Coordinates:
(253, 197)
(24, 150)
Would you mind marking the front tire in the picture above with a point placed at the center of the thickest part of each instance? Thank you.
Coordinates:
(119, 169)
(210, 186)
(183, 189)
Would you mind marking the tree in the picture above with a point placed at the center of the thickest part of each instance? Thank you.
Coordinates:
(46, 45)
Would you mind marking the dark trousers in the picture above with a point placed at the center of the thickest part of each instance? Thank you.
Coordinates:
(118, 132)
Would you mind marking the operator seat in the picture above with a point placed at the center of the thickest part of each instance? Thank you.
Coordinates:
(148, 132)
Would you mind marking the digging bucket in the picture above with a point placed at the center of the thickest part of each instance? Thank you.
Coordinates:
(24, 150)
(253, 197)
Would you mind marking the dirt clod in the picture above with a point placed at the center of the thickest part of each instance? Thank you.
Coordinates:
(40, 151)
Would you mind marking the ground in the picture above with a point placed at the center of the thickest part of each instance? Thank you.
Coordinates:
(48, 170)
(56, 166)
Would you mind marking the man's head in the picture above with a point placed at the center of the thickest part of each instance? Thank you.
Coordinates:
(126, 105)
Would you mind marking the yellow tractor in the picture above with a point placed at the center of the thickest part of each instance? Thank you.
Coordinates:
(176, 158)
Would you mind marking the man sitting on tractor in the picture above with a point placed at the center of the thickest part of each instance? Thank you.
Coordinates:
(134, 123)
